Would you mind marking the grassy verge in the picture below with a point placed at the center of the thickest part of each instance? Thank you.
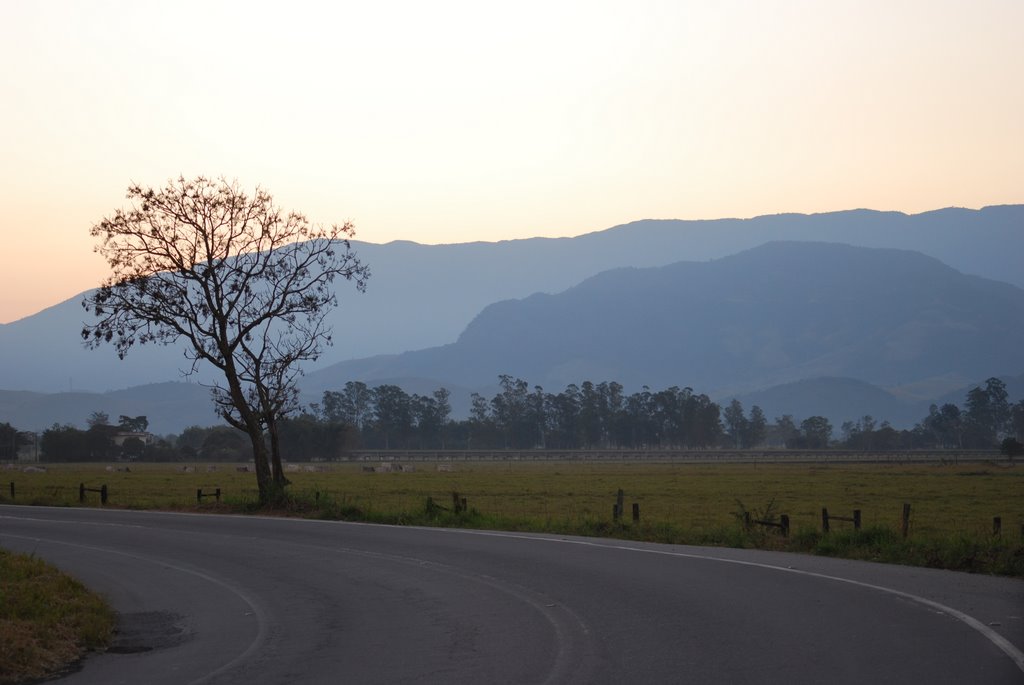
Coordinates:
(47, 620)
(973, 553)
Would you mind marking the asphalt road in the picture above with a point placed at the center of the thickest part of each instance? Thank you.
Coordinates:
(225, 599)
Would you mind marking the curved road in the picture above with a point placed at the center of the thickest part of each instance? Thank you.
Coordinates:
(228, 599)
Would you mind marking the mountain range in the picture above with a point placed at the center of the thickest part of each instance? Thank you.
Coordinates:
(640, 304)
(778, 313)
(422, 296)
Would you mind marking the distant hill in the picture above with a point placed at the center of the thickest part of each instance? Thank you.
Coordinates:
(775, 314)
(1014, 390)
(838, 400)
(423, 296)
(170, 407)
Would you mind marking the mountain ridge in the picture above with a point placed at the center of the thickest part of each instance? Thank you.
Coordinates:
(422, 296)
(813, 309)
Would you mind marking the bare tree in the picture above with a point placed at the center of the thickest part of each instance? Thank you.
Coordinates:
(245, 286)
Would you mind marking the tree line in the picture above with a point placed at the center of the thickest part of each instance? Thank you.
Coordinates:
(585, 416)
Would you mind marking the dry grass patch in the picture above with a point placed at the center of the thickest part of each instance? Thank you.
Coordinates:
(47, 619)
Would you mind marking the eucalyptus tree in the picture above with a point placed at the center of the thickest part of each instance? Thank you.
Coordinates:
(756, 427)
(352, 405)
(245, 286)
(511, 411)
(735, 422)
(392, 413)
(987, 413)
(816, 432)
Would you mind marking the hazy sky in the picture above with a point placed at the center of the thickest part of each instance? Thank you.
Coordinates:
(449, 121)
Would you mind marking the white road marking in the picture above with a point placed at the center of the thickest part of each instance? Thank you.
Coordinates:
(992, 636)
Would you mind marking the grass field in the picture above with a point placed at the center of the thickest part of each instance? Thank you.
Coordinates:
(952, 507)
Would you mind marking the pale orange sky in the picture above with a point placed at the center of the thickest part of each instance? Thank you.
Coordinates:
(457, 120)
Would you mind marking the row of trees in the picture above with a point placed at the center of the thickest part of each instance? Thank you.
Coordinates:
(603, 416)
(986, 421)
(517, 417)
(986, 418)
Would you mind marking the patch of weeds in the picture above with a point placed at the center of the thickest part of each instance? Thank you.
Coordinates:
(47, 619)
(759, 526)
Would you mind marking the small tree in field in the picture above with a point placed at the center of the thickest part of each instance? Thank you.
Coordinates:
(245, 286)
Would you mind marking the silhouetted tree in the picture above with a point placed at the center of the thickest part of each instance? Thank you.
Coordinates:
(98, 418)
(1017, 420)
(816, 432)
(244, 285)
(987, 414)
(755, 428)
(735, 422)
(1012, 448)
(133, 424)
(392, 413)
(10, 441)
(351, 405)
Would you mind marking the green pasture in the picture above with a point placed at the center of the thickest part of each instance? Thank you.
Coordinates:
(944, 499)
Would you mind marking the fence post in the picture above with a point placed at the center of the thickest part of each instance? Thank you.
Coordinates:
(199, 495)
(784, 521)
(856, 519)
(636, 512)
(81, 492)
(906, 519)
(103, 494)
(824, 520)
(619, 501)
(615, 512)
(217, 495)
(12, 489)
(746, 520)
(997, 525)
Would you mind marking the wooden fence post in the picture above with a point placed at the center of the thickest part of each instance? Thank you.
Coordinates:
(619, 508)
(784, 522)
(997, 525)
(216, 493)
(81, 492)
(824, 520)
(636, 512)
(12, 489)
(906, 519)
(856, 519)
(103, 494)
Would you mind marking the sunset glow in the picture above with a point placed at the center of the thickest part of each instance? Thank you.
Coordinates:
(455, 121)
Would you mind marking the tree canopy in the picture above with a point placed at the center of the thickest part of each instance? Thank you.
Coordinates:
(243, 284)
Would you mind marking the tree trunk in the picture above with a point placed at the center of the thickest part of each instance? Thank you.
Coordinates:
(275, 455)
(264, 478)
